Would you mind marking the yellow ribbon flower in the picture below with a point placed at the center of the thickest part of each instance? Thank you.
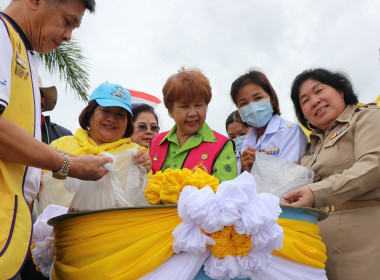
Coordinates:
(165, 187)
(229, 242)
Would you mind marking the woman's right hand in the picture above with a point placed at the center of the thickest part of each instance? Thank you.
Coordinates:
(300, 197)
(88, 167)
(144, 160)
(247, 159)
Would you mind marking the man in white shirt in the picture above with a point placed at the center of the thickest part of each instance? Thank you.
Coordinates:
(29, 27)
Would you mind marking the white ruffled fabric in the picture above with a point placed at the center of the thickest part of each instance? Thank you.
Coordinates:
(43, 238)
(236, 203)
(184, 266)
(285, 269)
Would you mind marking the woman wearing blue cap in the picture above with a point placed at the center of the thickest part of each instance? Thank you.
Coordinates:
(106, 126)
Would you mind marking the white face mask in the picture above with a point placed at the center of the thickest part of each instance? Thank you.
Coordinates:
(239, 142)
(257, 114)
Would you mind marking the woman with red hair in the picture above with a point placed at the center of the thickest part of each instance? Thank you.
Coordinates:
(191, 143)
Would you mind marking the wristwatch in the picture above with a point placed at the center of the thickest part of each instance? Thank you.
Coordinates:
(64, 171)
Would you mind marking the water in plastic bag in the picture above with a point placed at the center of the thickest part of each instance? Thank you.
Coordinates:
(279, 176)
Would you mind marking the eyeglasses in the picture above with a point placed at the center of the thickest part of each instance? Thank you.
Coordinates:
(144, 128)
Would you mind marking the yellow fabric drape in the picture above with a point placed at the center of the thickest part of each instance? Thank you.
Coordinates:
(121, 244)
(82, 144)
(128, 244)
(90, 147)
(302, 243)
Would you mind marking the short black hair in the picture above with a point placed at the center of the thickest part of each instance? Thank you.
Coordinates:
(88, 4)
(235, 117)
(141, 109)
(257, 78)
(88, 111)
(338, 80)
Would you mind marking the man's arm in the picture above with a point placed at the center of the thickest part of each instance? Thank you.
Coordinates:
(16, 145)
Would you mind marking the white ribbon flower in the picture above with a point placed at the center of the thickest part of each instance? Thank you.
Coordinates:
(236, 203)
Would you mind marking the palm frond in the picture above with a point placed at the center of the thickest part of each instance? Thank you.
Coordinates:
(71, 65)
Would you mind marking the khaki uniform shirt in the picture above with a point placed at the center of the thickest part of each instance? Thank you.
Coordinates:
(346, 158)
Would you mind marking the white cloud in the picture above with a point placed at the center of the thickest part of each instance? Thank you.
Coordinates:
(139, 44)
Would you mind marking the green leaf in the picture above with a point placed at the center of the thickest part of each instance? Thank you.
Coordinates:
(71, 65)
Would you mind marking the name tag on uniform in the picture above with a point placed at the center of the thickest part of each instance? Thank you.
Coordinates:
(269, 151)
(20, 71)
(21, 61)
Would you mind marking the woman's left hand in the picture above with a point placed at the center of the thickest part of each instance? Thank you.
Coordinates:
(144, 159)
(300, 197)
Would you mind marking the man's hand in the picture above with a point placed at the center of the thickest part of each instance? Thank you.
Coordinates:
(88, 167)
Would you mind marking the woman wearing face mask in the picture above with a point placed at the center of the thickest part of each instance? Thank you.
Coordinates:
(258, 106)
(238, 132)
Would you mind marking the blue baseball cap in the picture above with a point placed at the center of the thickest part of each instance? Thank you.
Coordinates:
(108, 95)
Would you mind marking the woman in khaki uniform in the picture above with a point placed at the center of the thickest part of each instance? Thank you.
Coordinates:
(344, 153)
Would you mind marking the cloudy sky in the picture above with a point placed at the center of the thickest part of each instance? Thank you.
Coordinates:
(139, 44)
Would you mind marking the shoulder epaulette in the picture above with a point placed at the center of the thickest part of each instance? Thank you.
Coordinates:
(368, 105)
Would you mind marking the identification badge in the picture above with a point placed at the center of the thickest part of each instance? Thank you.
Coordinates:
(21, 61)
(18, 44)
(269, 151)
(20, 71)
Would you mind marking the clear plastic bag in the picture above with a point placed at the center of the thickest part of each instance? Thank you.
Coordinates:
(53, 192)
(279, 176)
(122, 186)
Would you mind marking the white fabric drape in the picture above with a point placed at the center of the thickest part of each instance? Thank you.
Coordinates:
(285, 269)
(235, 203)
(43, 238)
(184, 266)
